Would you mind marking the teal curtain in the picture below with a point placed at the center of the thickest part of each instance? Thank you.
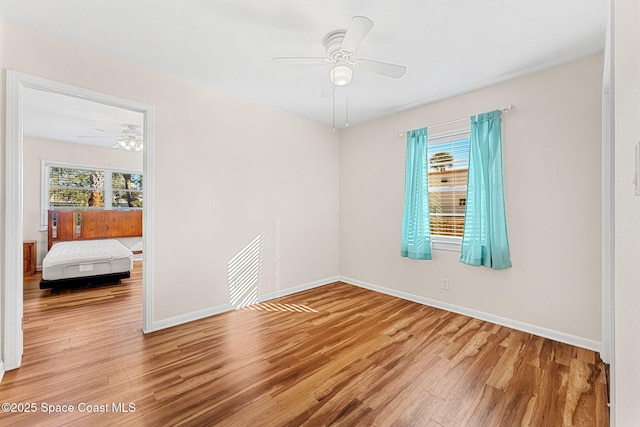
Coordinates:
(416, 236)
(484, 241)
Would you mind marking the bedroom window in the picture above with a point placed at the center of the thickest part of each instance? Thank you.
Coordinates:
(126, 190)
(448, 157)
(69, 186)
(73, 188)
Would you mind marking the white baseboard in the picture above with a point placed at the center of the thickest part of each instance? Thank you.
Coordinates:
(2, 370)
(212, 311)
(503, 321)
(299, 288)
(189, 317)
(511, 323)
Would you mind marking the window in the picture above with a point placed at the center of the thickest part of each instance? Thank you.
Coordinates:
(70, 187)
(127, 190)
(80, 187)
(448, 157)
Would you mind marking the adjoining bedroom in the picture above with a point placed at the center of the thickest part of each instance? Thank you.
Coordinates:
(83, 195)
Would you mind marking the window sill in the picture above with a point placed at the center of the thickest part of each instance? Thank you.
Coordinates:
(453, 244)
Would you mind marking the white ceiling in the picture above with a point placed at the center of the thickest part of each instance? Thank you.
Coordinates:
(50, 115)
(448, 46)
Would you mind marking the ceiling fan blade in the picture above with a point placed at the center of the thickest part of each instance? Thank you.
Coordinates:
(383, 68)
(300, 60)
(358, 29)
(328, 90)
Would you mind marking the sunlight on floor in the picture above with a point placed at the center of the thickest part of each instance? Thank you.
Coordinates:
(269, 306)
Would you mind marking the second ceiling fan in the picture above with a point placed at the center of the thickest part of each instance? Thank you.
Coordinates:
(340, 47)
(130, 138)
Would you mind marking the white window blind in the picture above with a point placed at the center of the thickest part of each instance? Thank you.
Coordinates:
(448, 157)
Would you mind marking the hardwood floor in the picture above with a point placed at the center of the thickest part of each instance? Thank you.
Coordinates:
(335, 355)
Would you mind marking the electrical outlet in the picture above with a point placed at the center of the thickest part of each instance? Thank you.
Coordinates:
(445, 284)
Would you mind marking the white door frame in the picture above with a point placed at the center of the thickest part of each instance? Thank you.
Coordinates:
(12, 292)
(608, 202)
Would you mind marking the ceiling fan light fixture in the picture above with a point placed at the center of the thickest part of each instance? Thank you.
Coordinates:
(131, 144)
(340, 75)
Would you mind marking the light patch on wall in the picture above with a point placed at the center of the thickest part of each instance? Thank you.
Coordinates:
(243, 274)
(276, 251)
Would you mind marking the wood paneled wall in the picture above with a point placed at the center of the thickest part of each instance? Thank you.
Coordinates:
(90, 225)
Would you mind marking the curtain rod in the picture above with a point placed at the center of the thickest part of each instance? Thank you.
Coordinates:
(503, 109)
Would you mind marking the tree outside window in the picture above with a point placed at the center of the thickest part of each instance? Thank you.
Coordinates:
(79, 187)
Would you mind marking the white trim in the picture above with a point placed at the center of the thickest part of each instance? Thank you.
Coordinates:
(64, 164)
(12, 284)
(212, 311)
(608, 201)
(189, 317)
(607, 353)
(12, 303)
(44, 193)
(444, 243)
(148, 170)
(608, 229)
(299, 288)
(2, 370)
(503, 321)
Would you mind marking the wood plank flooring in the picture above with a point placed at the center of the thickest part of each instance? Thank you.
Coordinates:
(335, 355)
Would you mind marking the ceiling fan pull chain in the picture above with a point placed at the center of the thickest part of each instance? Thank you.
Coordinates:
(334, 107)
(347, 119)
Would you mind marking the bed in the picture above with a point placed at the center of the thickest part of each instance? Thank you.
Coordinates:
(83, 250)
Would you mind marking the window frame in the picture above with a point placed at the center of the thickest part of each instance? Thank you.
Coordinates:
(447, 243)
(124, 190)
(108, 171)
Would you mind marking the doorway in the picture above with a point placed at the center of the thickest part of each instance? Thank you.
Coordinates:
(12, 281)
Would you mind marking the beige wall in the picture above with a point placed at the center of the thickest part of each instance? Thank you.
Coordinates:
(626, 56)
(227, 171)
(552, 152)
(35, 150)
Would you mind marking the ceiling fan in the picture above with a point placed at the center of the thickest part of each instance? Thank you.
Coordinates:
(131, 137)
(340, 46)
